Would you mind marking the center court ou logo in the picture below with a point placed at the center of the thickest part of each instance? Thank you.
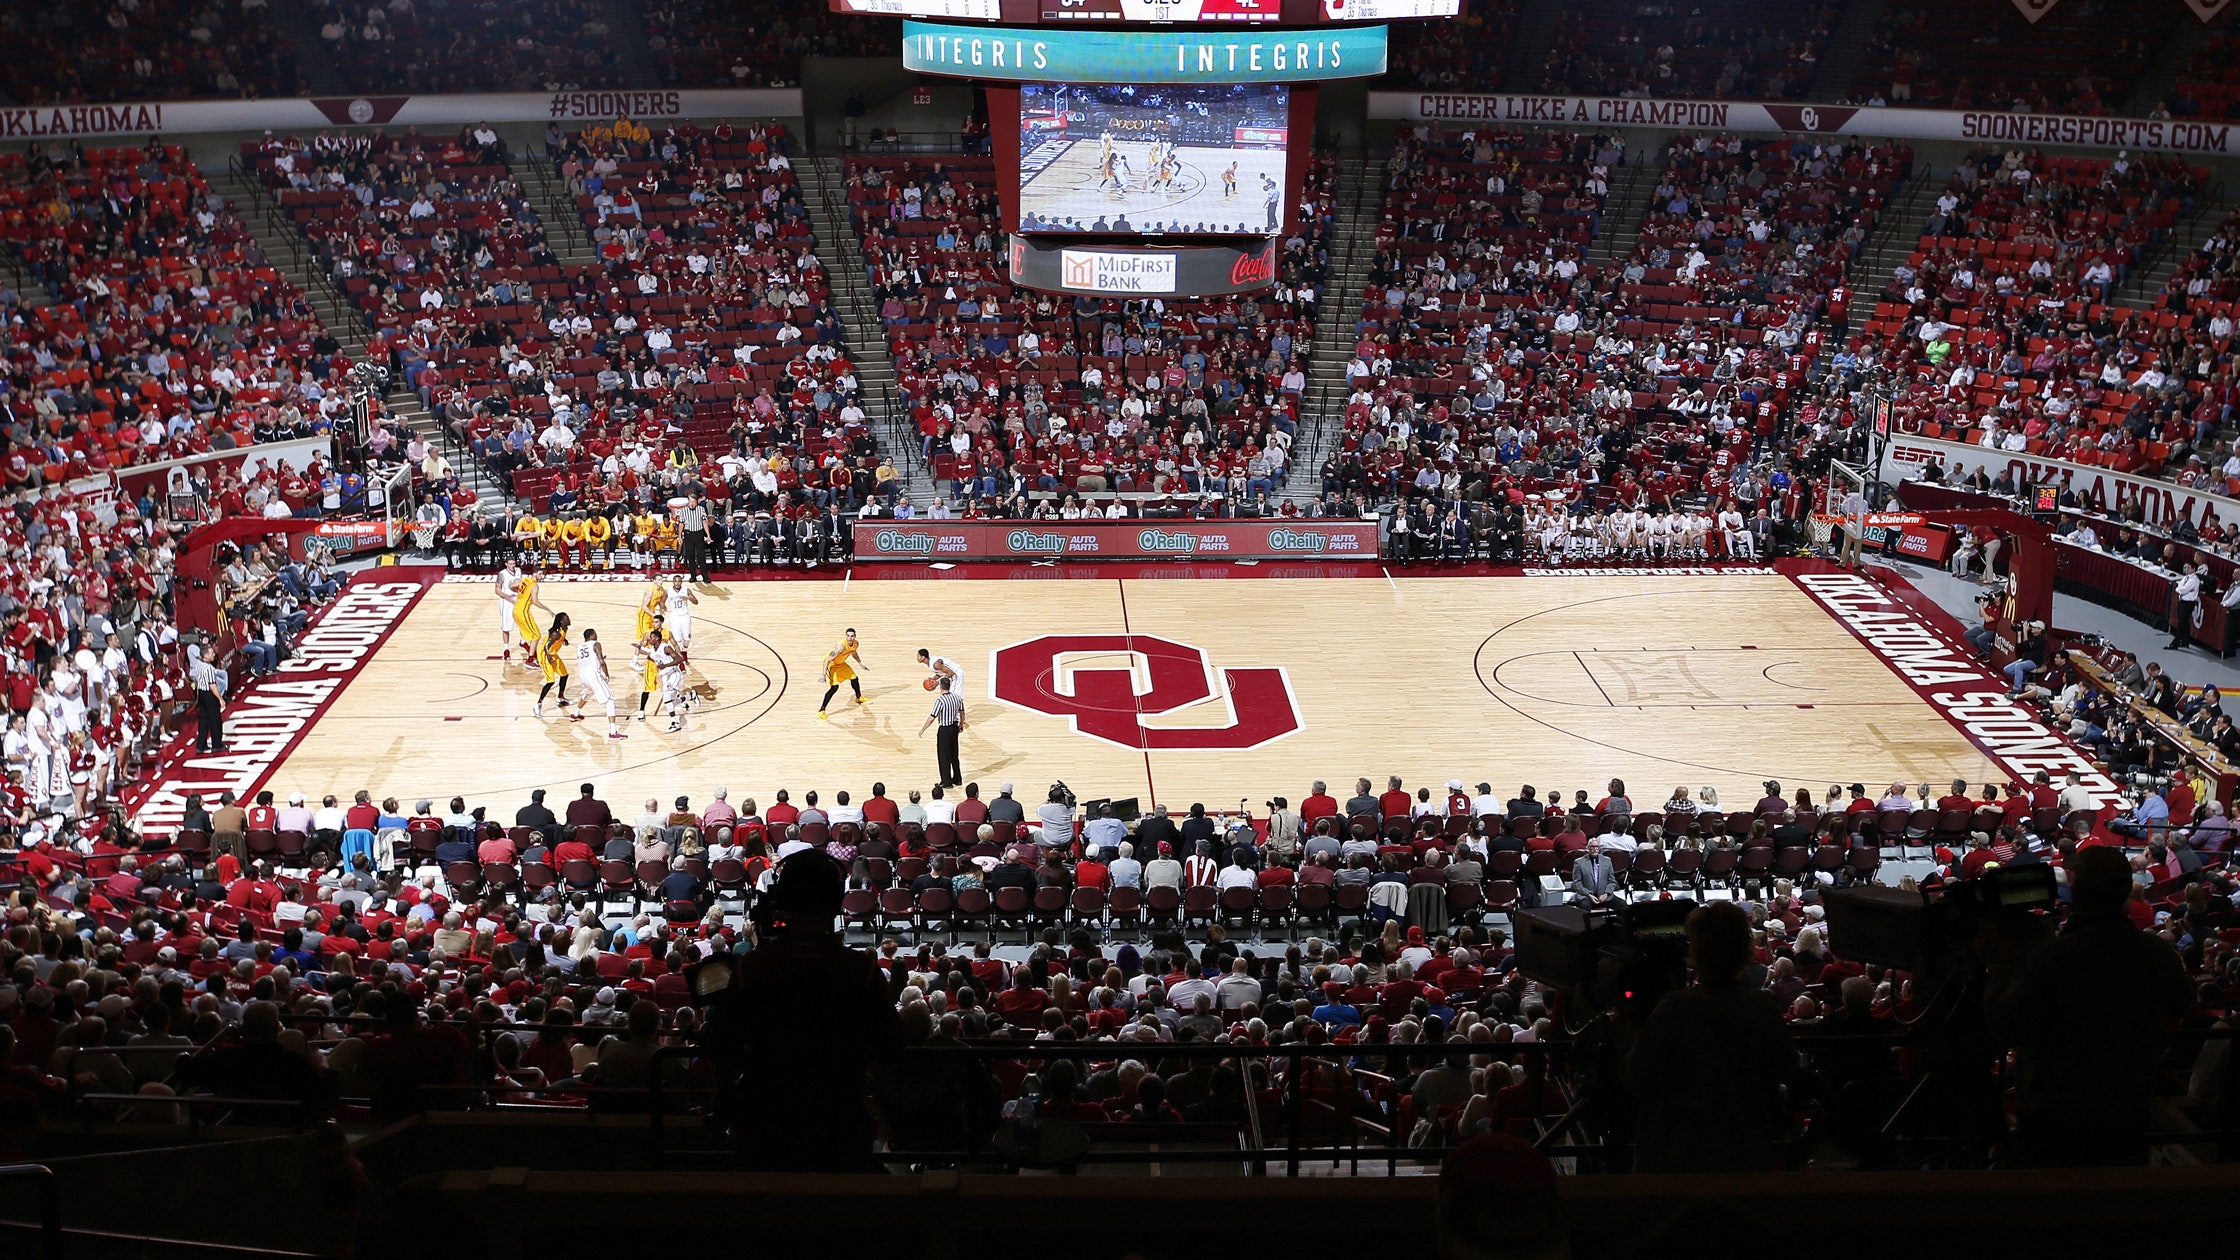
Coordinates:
(1107, 704)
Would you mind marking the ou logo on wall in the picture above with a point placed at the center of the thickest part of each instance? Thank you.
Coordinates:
(1109, 702)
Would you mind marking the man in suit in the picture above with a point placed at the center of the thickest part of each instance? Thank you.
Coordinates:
(1594, 879)
(1762, 535)
(1156, 830)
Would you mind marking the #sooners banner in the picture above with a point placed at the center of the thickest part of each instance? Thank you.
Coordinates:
(1114, 540)
(2032, 10)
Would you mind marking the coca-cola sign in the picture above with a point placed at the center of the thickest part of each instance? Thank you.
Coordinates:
(1253, 270)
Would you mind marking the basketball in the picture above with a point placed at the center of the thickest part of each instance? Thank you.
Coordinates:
(931, 684)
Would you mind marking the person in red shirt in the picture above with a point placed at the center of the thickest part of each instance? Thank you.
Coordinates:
(1860, 802)
(1090, 873)
(971, 811)
(262, 816)
(1319, 804)
(1275, 874)
(783, 812)
(879, 809)
(496, 848)
(362, 816)
(1957, 798)
(1395, 803)
(572, 850)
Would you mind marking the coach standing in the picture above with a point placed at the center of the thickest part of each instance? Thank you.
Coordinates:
(948, 710)
(2187, 593)
(692, 523)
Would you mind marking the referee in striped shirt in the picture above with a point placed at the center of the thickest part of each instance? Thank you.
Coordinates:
(948, 710)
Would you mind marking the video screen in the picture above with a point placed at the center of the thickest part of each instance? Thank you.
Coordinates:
(1201, 161)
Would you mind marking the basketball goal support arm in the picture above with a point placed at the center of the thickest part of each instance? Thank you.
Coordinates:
(2030, 559)
(196, 597)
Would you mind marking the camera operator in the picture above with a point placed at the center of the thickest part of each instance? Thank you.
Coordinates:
(1708, 1068)
(2086, 1013)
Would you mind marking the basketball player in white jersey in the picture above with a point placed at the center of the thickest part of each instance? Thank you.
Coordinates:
(668, 659)
(1621, 532)
(677, 612)
(509, 587)
(1552, 534)
(591, 671)
(1580, 545)
(1695, 532)
(1734, 531)
(1659, 531)
(941, 667)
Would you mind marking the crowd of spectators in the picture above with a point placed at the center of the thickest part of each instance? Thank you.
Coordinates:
(699, 43)
(144, 50)
(1686, 372)
(400, 958)
(466, 45)
(1016, 395)
(2208, 86)
(168, 336)
(700, 348)
(2001, 332)
(1734, 50)
(2080, 57)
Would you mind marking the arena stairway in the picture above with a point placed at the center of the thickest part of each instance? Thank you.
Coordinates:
(288, 252)
(824, 188)
(2159, 263)
(1353, 237)
(1631, 187)
(293, 19)
(1895, 236)
(626, 28)
(1837, 77)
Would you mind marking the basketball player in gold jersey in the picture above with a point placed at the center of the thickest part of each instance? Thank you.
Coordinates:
(840, 666)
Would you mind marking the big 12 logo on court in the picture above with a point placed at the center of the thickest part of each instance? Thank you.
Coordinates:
(1105, 702)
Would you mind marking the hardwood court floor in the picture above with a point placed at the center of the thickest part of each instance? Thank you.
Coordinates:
(1560, 682)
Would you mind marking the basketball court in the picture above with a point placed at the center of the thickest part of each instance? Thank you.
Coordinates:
(1070, 185)
(1169, 690)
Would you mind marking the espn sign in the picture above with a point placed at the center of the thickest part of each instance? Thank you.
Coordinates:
(1118, 271)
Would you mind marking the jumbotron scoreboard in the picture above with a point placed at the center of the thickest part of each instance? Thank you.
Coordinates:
(1116, 12)
(1153, 148)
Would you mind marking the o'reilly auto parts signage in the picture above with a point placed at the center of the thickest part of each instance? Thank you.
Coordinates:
(1158, 271)
(1115, 540)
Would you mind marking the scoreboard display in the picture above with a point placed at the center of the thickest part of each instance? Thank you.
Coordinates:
(1208, 13)
(1162, 10)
